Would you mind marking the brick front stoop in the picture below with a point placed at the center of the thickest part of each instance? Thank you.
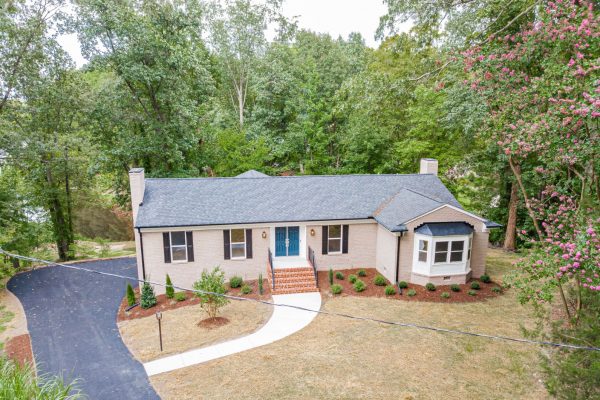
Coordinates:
(294, 280)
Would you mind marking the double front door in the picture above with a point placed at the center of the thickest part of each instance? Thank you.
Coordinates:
(287, 241)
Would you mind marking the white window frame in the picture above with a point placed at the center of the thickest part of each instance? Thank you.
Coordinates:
(426, 251)
(231, 243)
(329, 238)
(449, 251)
(470, 248)
(185, 246)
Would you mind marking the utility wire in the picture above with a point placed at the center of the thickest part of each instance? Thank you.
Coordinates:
(330, 313)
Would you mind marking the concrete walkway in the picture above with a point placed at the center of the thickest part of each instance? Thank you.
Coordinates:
(284, 322)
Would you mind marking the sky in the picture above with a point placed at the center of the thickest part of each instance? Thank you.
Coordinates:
(336, 17)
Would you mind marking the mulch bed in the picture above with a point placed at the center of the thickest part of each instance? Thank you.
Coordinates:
(423, 294)
(164, 304)
(18, 348)
(212, 323)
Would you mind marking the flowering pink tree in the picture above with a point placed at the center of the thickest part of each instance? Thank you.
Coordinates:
(541, 87)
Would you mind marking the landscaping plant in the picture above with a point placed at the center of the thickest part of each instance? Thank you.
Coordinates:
(260, 284)
(445, 295)
(359, 286)
(336, 289)
(352, 278)
(430, 286)
(475, 285)
(412, 292)
(330, 276)
(235, 282)
(147, 298)
(170, 290)
(130, 295)
(455, 287)
(390, 290)
(246, 289)
(472, 293)
(402, 284)
(379, 280)
(209, 289)
(180, 296)
(339, 276)
(362, 272)
(496, 289)
(485, 278)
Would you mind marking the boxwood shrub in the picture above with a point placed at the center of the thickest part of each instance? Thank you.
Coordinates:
(359, 286)
(485, 278)
(472, 293)
(402, 284)
(339, 275)
(412, 292)
(496, 289)
(390, 290)
(475, 285)
(430, 286)
(362, 272)
(336, 288)
(445, 295)
(352, 278)
(455, 287)
(235, 282)
(379, 280)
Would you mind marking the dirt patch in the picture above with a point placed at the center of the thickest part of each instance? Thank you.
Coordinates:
(18, 348)
(181, 330)
(163, 303)
(12, 316)
(212, 323)
(422, 294)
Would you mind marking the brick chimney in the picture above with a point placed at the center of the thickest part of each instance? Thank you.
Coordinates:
(429, 166)
(137, 187)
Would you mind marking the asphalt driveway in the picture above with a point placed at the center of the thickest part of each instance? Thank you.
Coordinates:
(71, 317)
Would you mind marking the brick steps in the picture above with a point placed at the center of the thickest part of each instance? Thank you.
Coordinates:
(294, 280)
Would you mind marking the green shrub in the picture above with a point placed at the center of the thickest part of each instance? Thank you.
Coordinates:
(246, 289)
(148, 298)
(339, 276)
(180, 296)
(210, 287)
(496, 289)
(170, 290)
(402, 284)
(390, 290)
(235, 282)
(359, 286)
(379, 280)
(336, 288)
(485, 278)
(455, 287)
(475, 285)
(472, 293)
(412, 292)
(445, 295)
(362, 272)
(430, 286)
(260, 284)
(130, 295)
(330, 273)
(352, 278)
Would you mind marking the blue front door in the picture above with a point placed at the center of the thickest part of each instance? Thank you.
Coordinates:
(287, 241)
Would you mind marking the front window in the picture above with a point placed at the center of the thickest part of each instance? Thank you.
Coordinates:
(449, 251)
(423, 248)
(334, 244)
(441, 252)
(178, 246)
(456, 255)
(238, 243)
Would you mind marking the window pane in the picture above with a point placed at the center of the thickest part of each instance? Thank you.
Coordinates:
(179, 253)
(441, 246)
(238, 250)
(440, 257)
(423, 245)
(456, 256)
(334, 245)
(423, 256)
(460, 245)
(177, 238)
(237, 235)
(335, 231)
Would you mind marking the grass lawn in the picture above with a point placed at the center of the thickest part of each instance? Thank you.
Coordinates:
(181, 333)
(340, 358)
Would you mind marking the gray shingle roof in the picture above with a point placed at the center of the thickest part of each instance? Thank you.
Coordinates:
(390, 199)
(251, 173)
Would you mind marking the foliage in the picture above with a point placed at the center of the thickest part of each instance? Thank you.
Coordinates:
(380, 280)
(430, 286)
(180, 296)
(235, 282)
(260, 284)
(411, 293)
(445, 295)
(485, 278)
(390, 290)
(455, 287)
(339, 275)
(352, 278)
(475, 285)
(330, 276)
(246, 289)
(210, 288)
(336, 288)
(130, 295)
(170, 290)
(147, 297)
(402, 284)
(472, 293)
(359, 285)
(497, 289)
(362, 273)
(21, 383)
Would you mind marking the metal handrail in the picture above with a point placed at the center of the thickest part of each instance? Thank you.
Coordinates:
(311, 259)
(272, 269)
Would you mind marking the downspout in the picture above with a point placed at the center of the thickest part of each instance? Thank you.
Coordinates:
(142, 254)
(398, 257)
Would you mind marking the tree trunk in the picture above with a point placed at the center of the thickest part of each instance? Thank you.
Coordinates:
(511, 225)
(59, 224)
(516, 169)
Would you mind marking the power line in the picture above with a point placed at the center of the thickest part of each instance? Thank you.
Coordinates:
(330, 313)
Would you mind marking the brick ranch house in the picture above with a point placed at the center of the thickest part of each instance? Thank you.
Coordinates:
(408, 227)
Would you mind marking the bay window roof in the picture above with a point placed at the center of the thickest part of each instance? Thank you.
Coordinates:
(444, 229)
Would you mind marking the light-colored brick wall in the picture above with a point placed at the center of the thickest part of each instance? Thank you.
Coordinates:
(208, 253)
(362, 239)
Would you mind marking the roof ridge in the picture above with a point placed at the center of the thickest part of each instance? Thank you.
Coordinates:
(288, 177)
(436, 199)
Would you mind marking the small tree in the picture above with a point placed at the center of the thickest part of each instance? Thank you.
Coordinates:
(330, 276)
(130, 295)
(170, 290)
(260, 284)
(148, 298)
(210, 288)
